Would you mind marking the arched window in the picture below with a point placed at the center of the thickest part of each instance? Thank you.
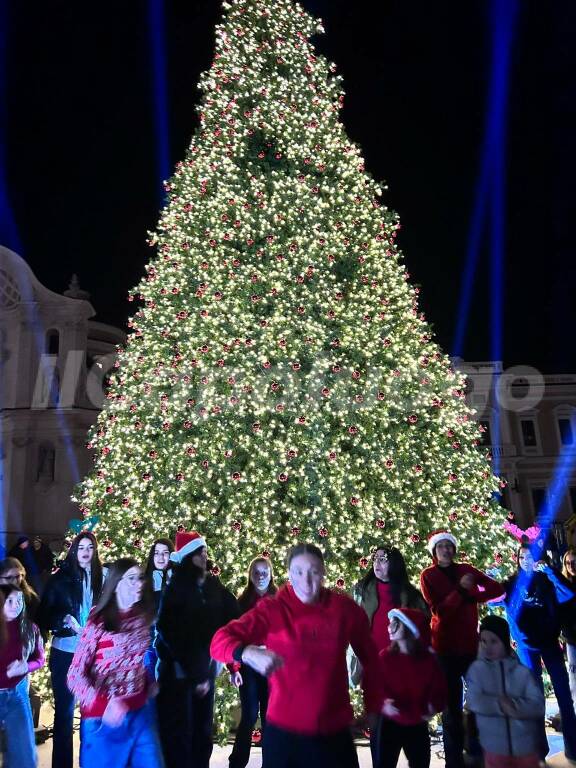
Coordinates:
(46, 463)
(52, 342)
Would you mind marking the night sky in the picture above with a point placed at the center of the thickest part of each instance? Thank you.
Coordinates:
(79, 142)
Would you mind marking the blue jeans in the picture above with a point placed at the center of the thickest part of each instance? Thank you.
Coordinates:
(16, 719)
(553, 659)
(253, 699)
(62, 751)
(133, 744)
(571, 653)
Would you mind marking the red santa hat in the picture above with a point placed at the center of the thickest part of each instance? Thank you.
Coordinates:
(416, 621)
(186, 543)
(440, 535)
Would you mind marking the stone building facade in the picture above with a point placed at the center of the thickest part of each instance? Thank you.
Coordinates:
(53, 357)
(530, 424)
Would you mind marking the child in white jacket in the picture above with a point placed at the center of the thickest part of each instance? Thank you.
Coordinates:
(506, 699)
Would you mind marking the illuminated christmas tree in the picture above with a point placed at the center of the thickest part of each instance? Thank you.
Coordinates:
(279, 383)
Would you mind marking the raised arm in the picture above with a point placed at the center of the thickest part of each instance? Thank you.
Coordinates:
(445, 604)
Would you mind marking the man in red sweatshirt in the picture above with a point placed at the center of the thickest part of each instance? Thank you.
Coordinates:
(298, 639)
(453, 591)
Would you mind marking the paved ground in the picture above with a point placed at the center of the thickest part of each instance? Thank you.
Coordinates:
(220, 755)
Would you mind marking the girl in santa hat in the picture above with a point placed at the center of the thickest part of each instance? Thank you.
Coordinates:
(414, 690)
(195, 604)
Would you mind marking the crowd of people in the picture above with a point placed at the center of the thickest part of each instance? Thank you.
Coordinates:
(139, 648)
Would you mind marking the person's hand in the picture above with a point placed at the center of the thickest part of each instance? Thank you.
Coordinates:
(540, 566)
(71, 623)
(507, 706)
(202, 689)
(17, 668)
(467, 581)
(115, 713)
(265, 662)
(388, 708)
(236, 678)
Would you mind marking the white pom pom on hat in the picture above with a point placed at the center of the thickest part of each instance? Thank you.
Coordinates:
(186, 543)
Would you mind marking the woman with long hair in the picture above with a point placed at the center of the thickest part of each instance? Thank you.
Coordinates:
(158, 568)
(66, 602)
(21, 652)
(569, 618)
(298, 639)
(109, 679)
(13, 572)
(253, 687)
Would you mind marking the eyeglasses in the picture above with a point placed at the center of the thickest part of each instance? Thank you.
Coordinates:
(380, 558)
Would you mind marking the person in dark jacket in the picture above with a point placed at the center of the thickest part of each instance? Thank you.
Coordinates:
(569, 618)
(453, 591)
(533, 599)
(66, 602)
(253, 688)
(158, 568)
(194, 605)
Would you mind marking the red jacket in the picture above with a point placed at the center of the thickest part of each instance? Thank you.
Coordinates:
(309, 694)
(455, 609)
(415, 683)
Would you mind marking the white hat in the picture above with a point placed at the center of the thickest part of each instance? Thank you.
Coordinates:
(440, 535)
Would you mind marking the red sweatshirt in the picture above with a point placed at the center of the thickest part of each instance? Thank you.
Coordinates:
(415, 683)
(455, 609)
(12, 650)
(309, 694)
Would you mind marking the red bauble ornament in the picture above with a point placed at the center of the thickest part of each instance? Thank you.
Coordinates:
(380, 523)
(414, 538)
(237, 525)
(236, 476)
(295, 531)
(363, 562)
(354, 500)
(215, 571)
(323, 531)
(340, 583)
(107, 543)
(282, 477)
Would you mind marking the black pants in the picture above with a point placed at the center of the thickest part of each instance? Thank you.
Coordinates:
(391, 738)
(283, 749)
(62, 749)
(185, 723)
(253, 699)
(455, 668)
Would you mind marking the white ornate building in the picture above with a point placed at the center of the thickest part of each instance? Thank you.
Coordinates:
(52, 361)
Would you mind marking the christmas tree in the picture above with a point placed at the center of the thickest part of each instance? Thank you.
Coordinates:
(279, 383)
